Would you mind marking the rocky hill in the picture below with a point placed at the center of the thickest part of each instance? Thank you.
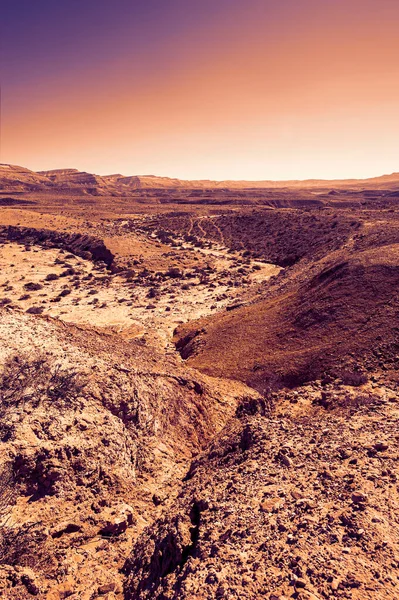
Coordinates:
(332, 309)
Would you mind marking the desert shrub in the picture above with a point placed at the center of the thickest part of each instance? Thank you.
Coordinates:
(152, 293)
(7, 490)
(359, 401)
(65, 292)
(174, 272)
(264, 405)
(353, 378)
(33, 287)
(51, 277)
(330, 401)
(19, 545)
(36, 381)
(12, 545)
(5, 301)
(24, 297)
(35, 310)
(68, 272)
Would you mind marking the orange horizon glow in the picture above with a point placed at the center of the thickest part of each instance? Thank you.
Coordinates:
(251, 95)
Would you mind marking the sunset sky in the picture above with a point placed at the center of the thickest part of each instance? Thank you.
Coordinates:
(218, 89)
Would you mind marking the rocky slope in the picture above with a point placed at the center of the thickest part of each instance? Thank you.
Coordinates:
(85, 246)
(95, 435)
(297, 503)
(333, 309)
(339, 318)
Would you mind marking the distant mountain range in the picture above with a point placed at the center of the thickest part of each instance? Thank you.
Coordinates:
(19, 179)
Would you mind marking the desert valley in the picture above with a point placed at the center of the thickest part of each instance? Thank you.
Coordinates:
(199, 388)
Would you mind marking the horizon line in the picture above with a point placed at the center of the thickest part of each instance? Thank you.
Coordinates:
(203, 179)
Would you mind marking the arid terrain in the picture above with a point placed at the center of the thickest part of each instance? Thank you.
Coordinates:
(199, 388)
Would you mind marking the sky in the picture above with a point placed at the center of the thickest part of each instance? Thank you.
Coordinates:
(202, 89)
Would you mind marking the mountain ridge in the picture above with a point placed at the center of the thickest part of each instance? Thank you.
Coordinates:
(17, 178)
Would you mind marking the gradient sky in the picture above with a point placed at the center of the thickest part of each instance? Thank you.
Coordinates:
(218, 89)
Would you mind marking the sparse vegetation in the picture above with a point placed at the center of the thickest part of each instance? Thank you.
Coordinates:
(5, 301)
(33, 287)
(354, 378)
(35, 310)
(37, 380)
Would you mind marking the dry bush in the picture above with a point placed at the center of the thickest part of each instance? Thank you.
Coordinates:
(35, 310)
(5, 301)
(19, 545)
(330, 401)
(65, 292)
(174, 273)
(33, 287)
(7, 500)
(264, 406)
(359, 401)
(36, 381)
(68, 272)
(7, 492)
(353, 378)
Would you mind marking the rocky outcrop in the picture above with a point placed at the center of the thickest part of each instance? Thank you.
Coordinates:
(82, 245)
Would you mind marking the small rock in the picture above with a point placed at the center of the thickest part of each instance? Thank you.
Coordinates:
(106, 588)
(306, 502)
(212, 578)
(30, 584)
(335, 584)
(296, 494)
(271, 504)
(118, 523)
(300, 583)
(381, 446)
(287, 462)
(359, 498)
